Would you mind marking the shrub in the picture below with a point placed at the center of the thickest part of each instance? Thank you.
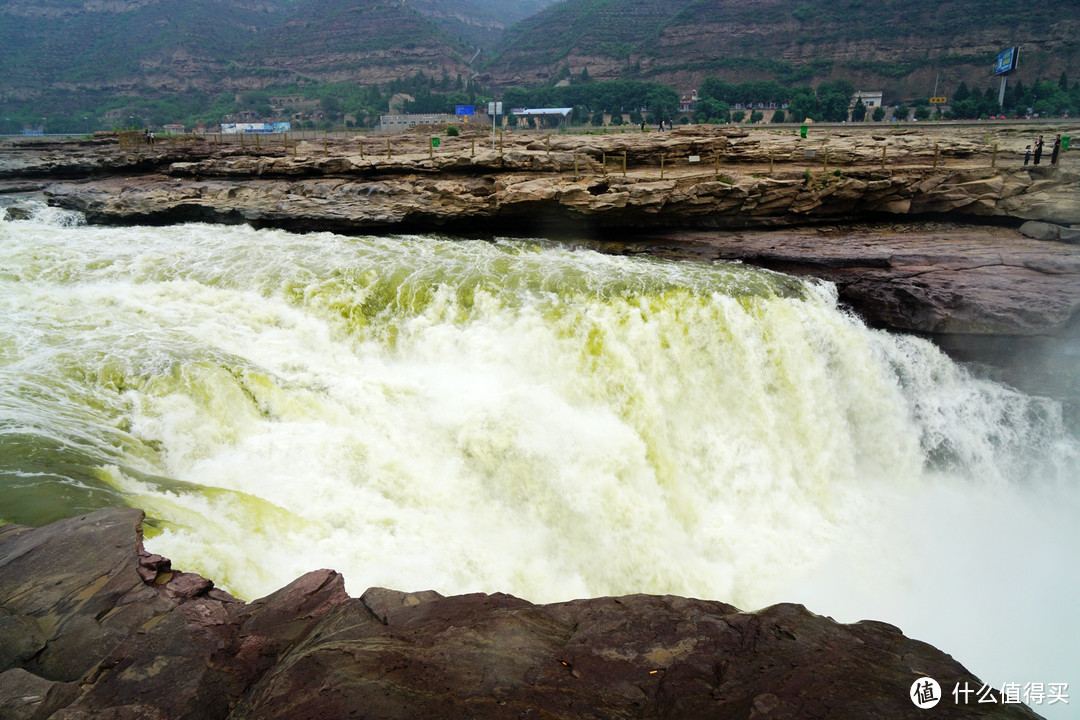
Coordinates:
(453, 131)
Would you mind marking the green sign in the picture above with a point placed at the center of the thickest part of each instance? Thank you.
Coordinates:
(802, 131)
(434, 142)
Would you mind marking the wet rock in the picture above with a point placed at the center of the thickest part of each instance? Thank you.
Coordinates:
(934, 278)
(1050, 232)
(110, 641)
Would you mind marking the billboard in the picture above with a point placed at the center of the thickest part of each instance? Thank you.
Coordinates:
(1006, 61)
(231, 128)
(463, 110)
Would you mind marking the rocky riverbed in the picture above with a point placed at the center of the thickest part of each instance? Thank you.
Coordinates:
(530, 184)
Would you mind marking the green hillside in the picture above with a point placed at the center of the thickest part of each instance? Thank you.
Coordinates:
(330, 34)
(203, 43)
(604, 27)
(67, 44)
(900, 44)
(69, 64)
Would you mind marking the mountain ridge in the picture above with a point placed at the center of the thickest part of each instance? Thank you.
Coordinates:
(77, 59)
(900, 45)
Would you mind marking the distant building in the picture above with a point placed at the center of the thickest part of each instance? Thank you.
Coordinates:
(173, 128)
(401, 123)
(280, 101)
(688, 104)
(869, 99)
(243, 116)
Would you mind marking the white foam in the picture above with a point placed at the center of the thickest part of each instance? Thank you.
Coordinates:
(422, 413)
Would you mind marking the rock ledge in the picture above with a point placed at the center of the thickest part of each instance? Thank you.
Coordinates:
(92, 626)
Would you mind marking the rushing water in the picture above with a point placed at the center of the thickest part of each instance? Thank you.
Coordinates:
(427, 412)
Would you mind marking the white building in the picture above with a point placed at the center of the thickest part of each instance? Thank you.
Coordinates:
(869, 99)
(401, 123)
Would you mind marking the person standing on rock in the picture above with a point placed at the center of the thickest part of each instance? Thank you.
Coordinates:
(1055, 151)
(1038, 150)
(1027, 155)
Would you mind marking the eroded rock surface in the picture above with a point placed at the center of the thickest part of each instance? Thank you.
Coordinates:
(92, 626)
(704, 177)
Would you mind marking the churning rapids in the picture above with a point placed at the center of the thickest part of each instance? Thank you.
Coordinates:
(429, 412)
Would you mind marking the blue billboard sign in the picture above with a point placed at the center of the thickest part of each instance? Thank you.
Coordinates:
(463, 110)
(278, 127)
(1006, 61)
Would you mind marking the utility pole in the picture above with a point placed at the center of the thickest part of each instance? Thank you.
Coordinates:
(494, 108)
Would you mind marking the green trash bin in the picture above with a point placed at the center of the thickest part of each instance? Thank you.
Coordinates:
(1065, 141)
(802, 131)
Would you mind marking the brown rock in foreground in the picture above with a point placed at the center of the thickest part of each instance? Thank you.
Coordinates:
(92, 626)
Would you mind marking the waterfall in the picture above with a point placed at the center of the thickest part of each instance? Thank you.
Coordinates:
(430, 412)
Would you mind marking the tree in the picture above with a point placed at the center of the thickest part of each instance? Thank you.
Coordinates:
(717, 89)
(858, 113)
(331, 106)
(964, 109)
(804, 106)
(779, 116)
(900, 113)
(1063, 81)
(922, 112)
(711, 110)
(879, 114)
(756, 116)
(737, 116)
(840, 87)
(455, 99)
(962, 93)
(598, 119)
(834, 106)
(662, 101)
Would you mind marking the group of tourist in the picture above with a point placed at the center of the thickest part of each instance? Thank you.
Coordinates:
(1037, 155)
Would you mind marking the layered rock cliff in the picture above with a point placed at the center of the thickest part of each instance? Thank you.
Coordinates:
(93, 626)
